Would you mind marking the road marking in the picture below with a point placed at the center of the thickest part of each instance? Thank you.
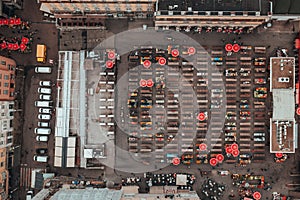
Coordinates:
(25, 177)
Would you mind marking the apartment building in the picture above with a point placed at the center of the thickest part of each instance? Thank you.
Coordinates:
(7, 79)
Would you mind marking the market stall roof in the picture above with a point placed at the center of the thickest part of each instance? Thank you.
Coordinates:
(181, 179)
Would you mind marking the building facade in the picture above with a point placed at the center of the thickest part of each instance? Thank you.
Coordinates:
(7, 79)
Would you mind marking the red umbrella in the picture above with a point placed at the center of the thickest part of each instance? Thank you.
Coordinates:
(15, 46)
(111, 55)
(234, 146)
(298, 111)
(220, 157)
(150, 83)
(176, 161)
(235, 153)
(5, 21)
(228, 47)
(213, 162)
(175, 52)
(25, 40)
(162, 61)
(9, 46)
(278, 155)
(18, 21)
(11, 21)
(3, 45)
(201, 116)
(256, 195)
(109, 64)
(229, 150)
(236, 47)
(147, 63)
(1, 21)
(143, 83)
(202, 146)
(191, 50)
(23, 47)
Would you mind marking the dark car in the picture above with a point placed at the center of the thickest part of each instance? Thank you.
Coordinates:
(41, 151)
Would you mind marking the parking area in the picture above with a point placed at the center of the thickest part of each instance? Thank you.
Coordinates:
(38, 128)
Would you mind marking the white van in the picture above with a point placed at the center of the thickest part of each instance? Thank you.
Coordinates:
(45, 110)
(41, 138)
(43, 70)
(42, 131)
(44, 124)
(45, 83)
(47, 104)
(40, 158)
(44, 90)
(45, 97)
(44, 116)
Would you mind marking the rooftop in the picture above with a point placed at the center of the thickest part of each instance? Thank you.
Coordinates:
(283, 100)
(282, 72)
(211, 5)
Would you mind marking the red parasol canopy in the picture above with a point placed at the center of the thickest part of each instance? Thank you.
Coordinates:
(213, 162)
(235, 153)
(9, 45)
(12, 21)
(234, 146)
(236, 47)
(256, 195)
(111, 55)
(147, 63)
(143, 83)
(5, 21)
(176, 161)
(278, 155)
(175, 53)
(109, 64)
(15, 46)
(23, 47)
(1, 21)
(150, 83)
(201, 116)
(18, 21)
(298, 111)
(25, 40)
(3, 45)
(228, 47)
(162, 61)
(191, 50)
(202, 146)
(220, 157)
(229, 150)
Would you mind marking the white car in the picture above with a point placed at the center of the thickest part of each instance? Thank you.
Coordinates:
(44, 116)
(41, 138)
(45, 110)
(45, 83)
(44, 124)
(44, 90)
(45, 97)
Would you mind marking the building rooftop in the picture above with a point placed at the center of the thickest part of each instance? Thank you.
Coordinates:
(283, 101)
(211, 5)
(282, 72)
(287, 7)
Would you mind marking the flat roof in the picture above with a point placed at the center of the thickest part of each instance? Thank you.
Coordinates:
(282, 72)
(282, 139)
(90, 194)
(211, 5)
(283, 104)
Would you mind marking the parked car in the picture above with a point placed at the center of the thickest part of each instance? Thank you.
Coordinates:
(45, 83)
(41, 138)
(45, 110)
(41, 151)
(44, 124)
(44, 90)
(45, 97)
(44, 116)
